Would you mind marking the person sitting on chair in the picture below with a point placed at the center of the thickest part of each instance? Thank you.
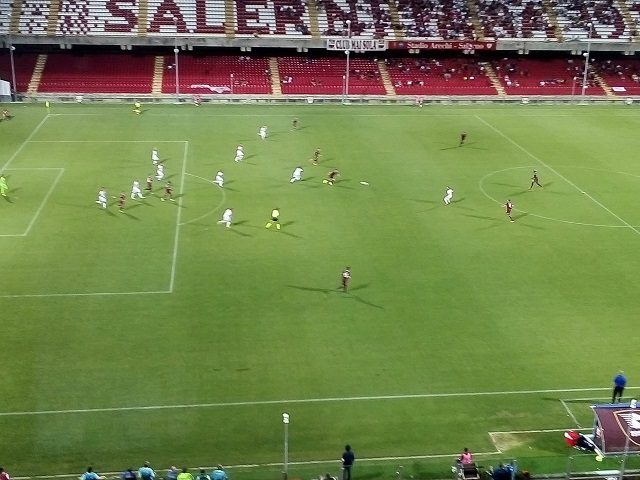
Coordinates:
(466, 457)
(579, 441)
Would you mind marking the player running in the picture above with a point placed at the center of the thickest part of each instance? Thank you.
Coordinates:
(345, 277)
(535, 180)
(239, 153)
(219, 179)
(275, 219)
(508, 208)
(137, 108)
(316, 157)
(122, 199)
(102, 198)
(168, 192)
(296, 176)
(135, 190)
(155, 158)
(160, 172)
(448, 196)
(149, 186)
(227, 217)
(3, 185)
(263, 132)
(332, 177)
(294, 124)
(463, 138)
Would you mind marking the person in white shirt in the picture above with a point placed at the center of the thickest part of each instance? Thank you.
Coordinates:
(448, 196)
(102, 198)
(227, 216)
(296, 176)
(239, 153)
(263, 132)
(219, 179)
(135, 190)
(160, 172)
(155, 158)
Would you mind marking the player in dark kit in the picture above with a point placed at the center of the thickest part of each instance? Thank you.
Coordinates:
(149, 183)
(121, 201)
(294, 124)
(535, 180)
(508, 208)
(168, 192)
(332, 177)
(345, 277)
(316, 157)
(463, 137)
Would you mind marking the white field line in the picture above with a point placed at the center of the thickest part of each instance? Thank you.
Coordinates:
(23, 144)
(570, 413)
(296, 401)
(279, 464)
(176, 240)
(214, 210)
(44, 201)
(107, 141)
(88, 294)
(551, 169)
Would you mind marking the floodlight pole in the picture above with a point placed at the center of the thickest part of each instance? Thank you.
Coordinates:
(586, 63)
(231, 83)
(348, 54)
(14, 86)
(285, 465)
(176, 50)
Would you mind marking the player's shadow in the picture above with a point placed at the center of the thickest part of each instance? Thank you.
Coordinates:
(520, 216)
(449, 148)
(290, 222)
(110, 213)
(247, 157)
(299, 128)
(136, 205)
(422, 201)
(129, 216)
(289, 234)
(505, 185)
(480, 217)
(338, 291)
(179, 195)
(238, 232)
(341, 184)
(518, 193)
(7, 199)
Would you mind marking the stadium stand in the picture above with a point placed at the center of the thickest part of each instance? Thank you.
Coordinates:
(288, 17)
(213, 74)
(436, 19)
(97, 73)
(524, 19)
(24, 64)
(623, 76)
(574, 17)
(439, 77)
(528, 76)
(372, 18)
(324, 76)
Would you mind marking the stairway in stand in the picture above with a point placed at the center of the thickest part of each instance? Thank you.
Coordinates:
(395, 19)
(474, 16)
(605, 86)
(553, 19)
(14, 24)
(313, 18)
(229, 19)
(36, 77)
(495, 82)
(158, 75)
(276, 88)
(386, 78)
(143, 14)
(52, 21)
(628, 19)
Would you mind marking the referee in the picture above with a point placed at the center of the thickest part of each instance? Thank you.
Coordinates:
(619, 382)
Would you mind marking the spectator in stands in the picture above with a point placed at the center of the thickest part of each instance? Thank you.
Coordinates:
(203, 475)
(172, 474)
(91, 475)
(185, 474)
(128, 474)
(219, 474)
(466, 457)
(4, 475)
(146, 472)
(347, 459)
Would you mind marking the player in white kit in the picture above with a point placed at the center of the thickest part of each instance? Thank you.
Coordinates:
(155, 158)
(227, 216)
(263, 132)
(448, 196)
(160, 172)
(296, 176)
(102, 198)
(219, 179)
(135, 190)
(239, 153)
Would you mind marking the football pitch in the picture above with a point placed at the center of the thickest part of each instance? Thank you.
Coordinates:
(158, 334)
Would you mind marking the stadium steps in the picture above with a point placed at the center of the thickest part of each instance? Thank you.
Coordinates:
(52, 21)
(14, 24)
(605, 86)
(628, 19)
(493, 78)
(553, 19)
(143, 20)
(313, 18)
(158, 75)
(395, 20)
(474, 16)
(36, 78)
(229, 19)
(276, 88)
(386, 78)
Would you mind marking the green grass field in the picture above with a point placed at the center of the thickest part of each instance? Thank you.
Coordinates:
(458, 323)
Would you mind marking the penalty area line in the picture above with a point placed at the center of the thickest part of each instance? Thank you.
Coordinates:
(88, 294)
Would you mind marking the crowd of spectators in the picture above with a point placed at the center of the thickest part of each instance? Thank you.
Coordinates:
(449, 20)
(417, 71)
(621, 70)
(146, 472)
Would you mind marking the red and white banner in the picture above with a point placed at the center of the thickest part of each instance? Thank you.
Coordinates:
(443, 45)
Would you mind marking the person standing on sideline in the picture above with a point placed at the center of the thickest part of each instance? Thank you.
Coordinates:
(128, 474)
(619, 382)
(146, 472)
(219, 474)
(91, 475)
(448, 196)
(4, 475)
(203, 475)
(172, 474)
(185, 474)
(347, 462)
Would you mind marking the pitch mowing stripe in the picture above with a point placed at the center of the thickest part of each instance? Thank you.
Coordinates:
(551, 169)
(301, 400)
(23, 144)
(279, 464)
